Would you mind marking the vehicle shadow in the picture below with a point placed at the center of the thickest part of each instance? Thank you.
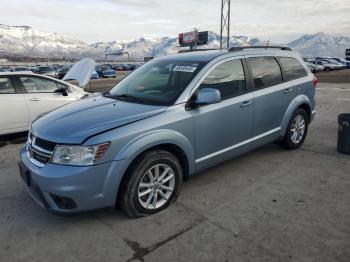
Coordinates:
(17, 138)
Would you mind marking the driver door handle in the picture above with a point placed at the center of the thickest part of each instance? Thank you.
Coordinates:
(287, 91)
(246, 104)
(34, 99)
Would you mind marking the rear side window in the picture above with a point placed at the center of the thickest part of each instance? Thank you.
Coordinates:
(292, 68)
(6, 86)
(228, 78)
(38, 85)
(266, 71)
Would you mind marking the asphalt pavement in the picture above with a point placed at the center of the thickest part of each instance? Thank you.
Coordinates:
(267, 205)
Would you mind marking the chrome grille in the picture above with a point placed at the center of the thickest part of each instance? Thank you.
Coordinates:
(39, 150)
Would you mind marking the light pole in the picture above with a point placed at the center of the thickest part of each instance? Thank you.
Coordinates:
(225, 21)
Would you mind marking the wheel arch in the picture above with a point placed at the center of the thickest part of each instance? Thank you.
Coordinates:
(166, 140)
(301, 101)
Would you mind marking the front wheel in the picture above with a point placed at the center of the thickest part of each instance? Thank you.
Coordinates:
(297, 130)
(153, 183)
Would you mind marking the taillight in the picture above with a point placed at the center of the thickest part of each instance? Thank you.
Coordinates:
(315, 81)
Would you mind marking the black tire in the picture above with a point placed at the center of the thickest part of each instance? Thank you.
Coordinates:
(287, 141)
(128, 197)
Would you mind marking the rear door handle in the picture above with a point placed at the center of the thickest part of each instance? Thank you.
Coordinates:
(246, 104)
(34, 99)
(288, 90)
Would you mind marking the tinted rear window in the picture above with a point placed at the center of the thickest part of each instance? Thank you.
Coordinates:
(266, 71)
(292, 68)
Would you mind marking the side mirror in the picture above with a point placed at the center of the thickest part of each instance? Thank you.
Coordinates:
(206, 96)
(63, 91)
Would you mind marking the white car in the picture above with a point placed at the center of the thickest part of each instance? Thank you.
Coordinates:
(327, 66)
(24, 96)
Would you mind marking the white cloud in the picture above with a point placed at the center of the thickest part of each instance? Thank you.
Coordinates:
(104, 20)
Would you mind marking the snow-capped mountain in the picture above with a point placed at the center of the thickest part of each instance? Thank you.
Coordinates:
(321, 44)
(142, 47)
(31, 42)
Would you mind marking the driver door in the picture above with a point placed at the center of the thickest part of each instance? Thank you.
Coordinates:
(222, 129)
(43, 95)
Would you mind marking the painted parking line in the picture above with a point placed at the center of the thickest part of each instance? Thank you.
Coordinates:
(333, 88)
(343, 99)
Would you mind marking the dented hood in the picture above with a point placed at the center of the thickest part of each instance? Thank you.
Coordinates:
(75, 122)
(81, 71)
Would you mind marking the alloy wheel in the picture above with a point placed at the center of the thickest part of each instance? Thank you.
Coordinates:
(156, 186)
(298, 129)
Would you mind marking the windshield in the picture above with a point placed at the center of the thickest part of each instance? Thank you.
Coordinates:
(157, 82)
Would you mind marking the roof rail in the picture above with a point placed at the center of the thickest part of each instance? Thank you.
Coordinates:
(196, 50)
(240, 48)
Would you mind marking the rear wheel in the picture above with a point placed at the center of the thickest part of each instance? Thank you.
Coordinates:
(297, 130)
(153, 183)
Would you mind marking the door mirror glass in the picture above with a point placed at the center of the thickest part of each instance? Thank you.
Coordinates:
(64, 92)
(206, 96)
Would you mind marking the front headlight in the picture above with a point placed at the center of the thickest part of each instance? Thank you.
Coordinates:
(79, 155)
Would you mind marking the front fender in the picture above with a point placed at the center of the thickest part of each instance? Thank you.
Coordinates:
(296, 102)
(154, 138)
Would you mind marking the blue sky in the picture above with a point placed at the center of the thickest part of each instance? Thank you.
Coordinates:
(107, 20)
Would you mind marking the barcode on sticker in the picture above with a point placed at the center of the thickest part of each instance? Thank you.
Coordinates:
(184, 68)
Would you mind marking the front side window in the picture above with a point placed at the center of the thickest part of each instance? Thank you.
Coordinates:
(292, 68)
(156, 82)
(6, 86)
(266, 71)
(228, 78)
(38, 85)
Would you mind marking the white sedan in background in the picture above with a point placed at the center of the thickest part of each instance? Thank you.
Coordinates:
(24, 96)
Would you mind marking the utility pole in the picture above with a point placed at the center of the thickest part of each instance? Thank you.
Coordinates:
(225, 21)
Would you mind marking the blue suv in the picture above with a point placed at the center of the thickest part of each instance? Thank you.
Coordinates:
(174, 116)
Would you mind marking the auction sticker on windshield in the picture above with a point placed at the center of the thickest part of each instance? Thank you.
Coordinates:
(185, 68)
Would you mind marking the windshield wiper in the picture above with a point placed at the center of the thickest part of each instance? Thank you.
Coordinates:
(124, 97)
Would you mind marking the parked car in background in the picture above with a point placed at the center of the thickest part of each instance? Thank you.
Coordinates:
(126, 67)
(105, 71)
(94, 75)
(24, 96)
(118, 67)
(173, 117)
(327, 66)
(62, 71)
(335, 62)
(22, 69)
(46, 70)
(314, 68)
(6, 69)
(337, 65)
(343, 61)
